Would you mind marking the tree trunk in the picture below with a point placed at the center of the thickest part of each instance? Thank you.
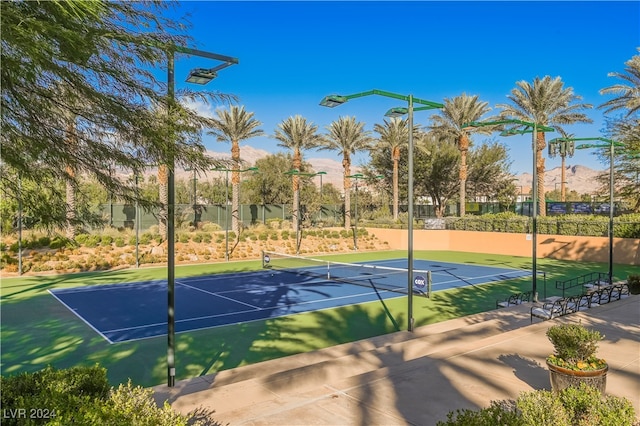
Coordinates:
(540, 145)
(71, 204)
(346, 164)
(563, 194)
(163, 194)
(297, 164)
(396, 160)
(235, 187)
(463, 147)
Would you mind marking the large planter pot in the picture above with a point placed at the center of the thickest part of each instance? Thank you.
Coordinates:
(562, 378)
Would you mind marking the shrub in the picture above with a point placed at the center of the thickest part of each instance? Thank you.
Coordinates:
(106, 240)
(145, 238)
(575, 347)
(120, 241)
(633, 281)
(82, 395)
(574, 406)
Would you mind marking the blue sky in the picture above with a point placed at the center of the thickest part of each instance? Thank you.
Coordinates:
(292, 54)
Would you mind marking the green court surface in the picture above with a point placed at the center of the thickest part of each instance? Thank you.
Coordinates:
(37, 330)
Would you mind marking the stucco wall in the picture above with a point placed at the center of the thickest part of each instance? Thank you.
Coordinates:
(591, 249)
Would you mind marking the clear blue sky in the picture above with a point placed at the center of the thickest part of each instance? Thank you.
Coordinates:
(292, 54)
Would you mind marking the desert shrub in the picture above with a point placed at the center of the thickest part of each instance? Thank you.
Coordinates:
(82, 238)
(145, 238)
(205, 237)
(119, 241)
(274, 236)
(106, 240)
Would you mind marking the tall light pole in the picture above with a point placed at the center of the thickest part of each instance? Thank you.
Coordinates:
(532, 128)
(226, 202)
(609, 144)
(137, 213)
(197, 76)
(332, 101)
(19, 224)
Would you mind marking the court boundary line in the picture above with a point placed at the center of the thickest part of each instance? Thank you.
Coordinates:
(218, 295)
(392, 293)
(81, 317)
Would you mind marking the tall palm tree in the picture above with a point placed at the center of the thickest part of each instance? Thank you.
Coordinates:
(394, 133)
(347, 136)
(628, 95)
(447, 126)
(235, 125)
(297, 134)
(545, 102)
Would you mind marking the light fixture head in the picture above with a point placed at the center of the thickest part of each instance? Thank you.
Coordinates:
(332, 101)
(201, 76)
(396, 112)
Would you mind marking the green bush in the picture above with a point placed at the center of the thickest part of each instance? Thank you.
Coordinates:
(145, 238)
(82, 238)
(120, 241)
(573, 406)
(82, 396)
(106, 240)
(633, 281)
(59, 242)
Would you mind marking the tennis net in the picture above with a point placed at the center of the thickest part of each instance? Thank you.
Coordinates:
(369, 275)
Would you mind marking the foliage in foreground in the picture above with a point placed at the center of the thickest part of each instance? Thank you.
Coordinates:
(82, 396)
(581, 406)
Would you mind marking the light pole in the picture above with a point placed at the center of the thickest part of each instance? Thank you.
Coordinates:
(532, 128)
(610, 144)
(335, 100)
(198, 76)
(226, 202)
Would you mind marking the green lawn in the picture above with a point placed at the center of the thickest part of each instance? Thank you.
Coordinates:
(36, 330)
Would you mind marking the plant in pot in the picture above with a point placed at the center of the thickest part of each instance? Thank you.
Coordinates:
(574, 360)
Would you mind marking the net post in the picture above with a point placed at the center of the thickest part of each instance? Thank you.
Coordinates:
(262, 252)
(429, 284)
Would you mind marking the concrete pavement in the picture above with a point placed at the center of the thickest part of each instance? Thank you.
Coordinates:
(411, 378)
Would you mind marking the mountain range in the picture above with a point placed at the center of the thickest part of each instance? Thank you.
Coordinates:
(578, 178)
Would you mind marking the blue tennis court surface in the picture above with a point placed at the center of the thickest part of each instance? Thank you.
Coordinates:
(133, 311)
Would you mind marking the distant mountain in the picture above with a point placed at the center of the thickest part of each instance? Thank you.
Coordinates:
(581, 179)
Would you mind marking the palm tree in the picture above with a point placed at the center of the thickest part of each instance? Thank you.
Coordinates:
(297, 134)
(545, 102)
(447, 126)
(233, 126)
(347, 137)
(393, 134)
(628, 95)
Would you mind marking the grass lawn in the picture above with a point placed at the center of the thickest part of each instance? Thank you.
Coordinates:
(36, 330)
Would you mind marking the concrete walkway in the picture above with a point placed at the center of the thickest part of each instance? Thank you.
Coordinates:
(411, 378)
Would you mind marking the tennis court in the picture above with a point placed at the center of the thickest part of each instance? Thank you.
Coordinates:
(289, 285)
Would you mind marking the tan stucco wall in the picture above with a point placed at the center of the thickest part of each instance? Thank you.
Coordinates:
(591, 249)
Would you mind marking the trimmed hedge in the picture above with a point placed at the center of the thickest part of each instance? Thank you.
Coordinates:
(625, 226)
